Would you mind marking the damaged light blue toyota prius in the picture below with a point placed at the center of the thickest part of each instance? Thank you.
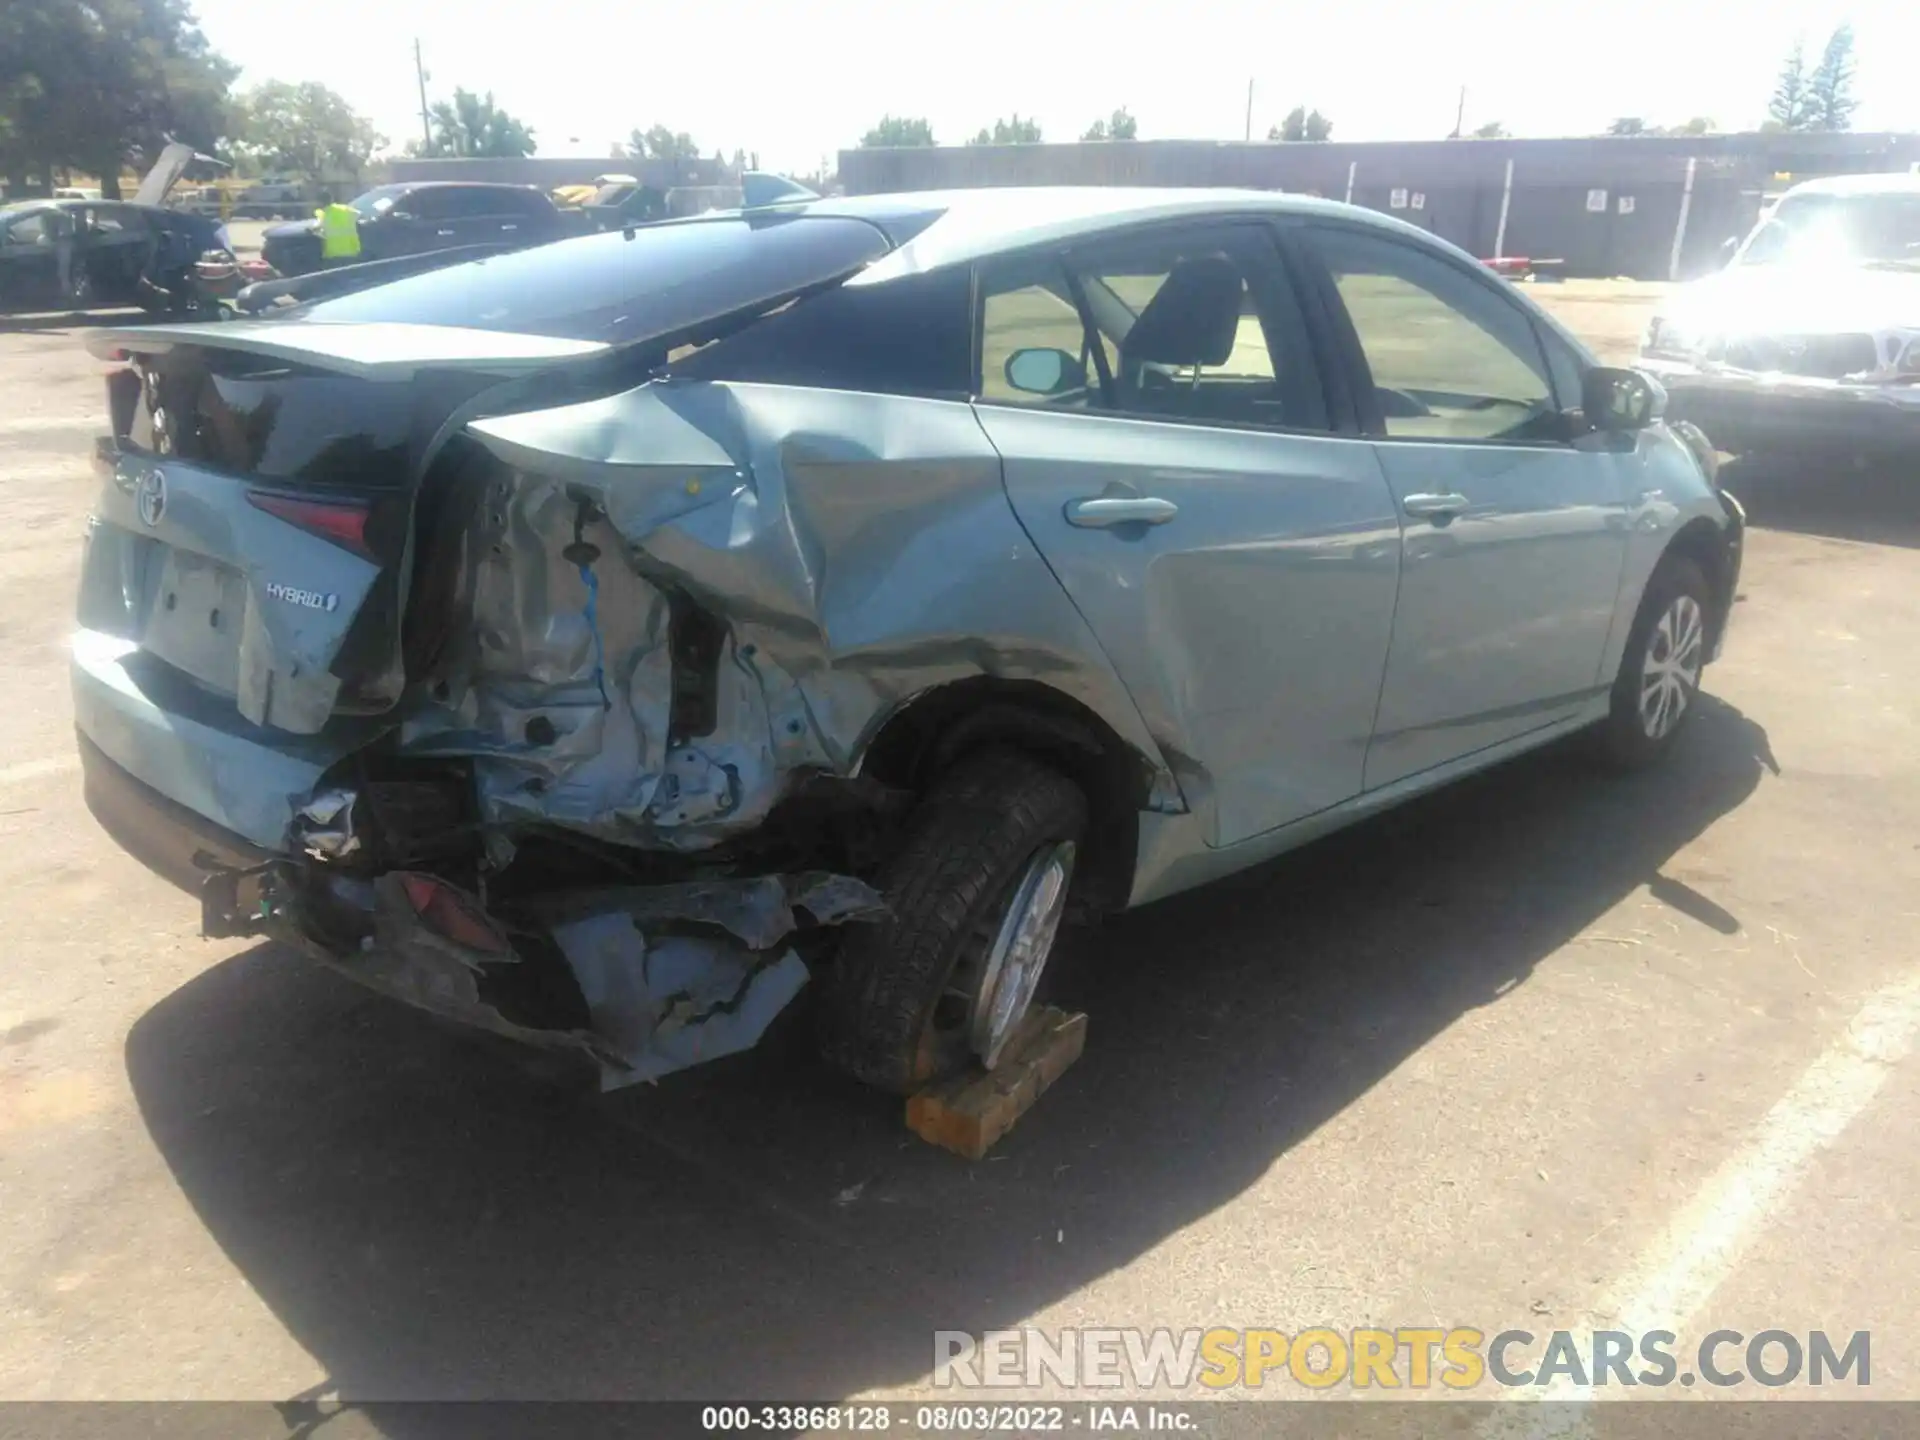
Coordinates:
(597, 643)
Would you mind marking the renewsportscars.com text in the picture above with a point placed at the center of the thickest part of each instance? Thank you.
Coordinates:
(1409, 1358)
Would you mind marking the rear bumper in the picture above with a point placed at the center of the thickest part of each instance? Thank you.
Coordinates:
(1743, 413)
(166, 837)
(192, 749)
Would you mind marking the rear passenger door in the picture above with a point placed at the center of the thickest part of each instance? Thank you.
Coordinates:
(1515, 525)
(523, 217)
(442, 218)
(1169, 445)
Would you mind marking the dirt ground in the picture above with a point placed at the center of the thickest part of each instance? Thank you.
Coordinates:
(1546, 1051)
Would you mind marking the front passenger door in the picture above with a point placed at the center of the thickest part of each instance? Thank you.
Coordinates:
(1514, 530)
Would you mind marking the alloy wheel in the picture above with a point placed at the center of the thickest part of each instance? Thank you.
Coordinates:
(1670, 673)
(1020, 951)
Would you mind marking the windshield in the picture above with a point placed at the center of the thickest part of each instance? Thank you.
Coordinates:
(376, 201)
(617, 287)
(1839, 229)
(612, 194)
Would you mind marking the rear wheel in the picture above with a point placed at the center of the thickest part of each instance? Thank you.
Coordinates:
(976, 893)
(1658, 686)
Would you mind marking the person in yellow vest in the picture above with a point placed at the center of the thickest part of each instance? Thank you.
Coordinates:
(339, 231)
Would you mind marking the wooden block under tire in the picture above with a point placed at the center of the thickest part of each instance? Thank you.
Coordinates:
(969, 1113)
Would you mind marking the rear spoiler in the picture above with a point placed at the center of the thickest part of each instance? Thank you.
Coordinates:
(370, 350)
(345, 279)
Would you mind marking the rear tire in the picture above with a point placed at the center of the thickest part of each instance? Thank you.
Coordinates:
(987, 853)
(1658, 687)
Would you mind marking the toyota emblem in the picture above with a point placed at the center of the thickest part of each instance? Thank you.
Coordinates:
(151, 495)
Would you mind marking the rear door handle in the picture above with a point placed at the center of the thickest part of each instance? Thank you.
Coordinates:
(443, 232)
(509, 227)
(1435, 507)
(1110, 510)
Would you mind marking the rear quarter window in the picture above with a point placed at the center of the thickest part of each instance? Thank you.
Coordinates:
(910, 336)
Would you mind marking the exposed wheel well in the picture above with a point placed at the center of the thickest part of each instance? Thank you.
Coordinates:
(1699, 541)
(933, 731)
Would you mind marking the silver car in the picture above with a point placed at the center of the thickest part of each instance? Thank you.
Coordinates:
(1808, 343)
(596, 644)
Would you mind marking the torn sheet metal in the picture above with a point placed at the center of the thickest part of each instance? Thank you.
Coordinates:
(856, 556)
(672, 975)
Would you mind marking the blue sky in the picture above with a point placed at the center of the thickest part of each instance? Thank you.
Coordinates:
(796, 82)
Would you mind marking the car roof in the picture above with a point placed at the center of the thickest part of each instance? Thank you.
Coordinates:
(455, 185)
(936, 228)
(1897, 182)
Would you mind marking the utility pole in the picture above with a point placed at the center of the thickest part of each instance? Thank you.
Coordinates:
(1460, 115)
(420, 74)
(1249, 107)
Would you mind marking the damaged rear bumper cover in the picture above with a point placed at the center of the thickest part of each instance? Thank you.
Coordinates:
(643, 980)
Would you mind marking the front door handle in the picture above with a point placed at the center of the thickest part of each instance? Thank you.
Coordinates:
(443, 232)
(1110, 510)
(1435, 507)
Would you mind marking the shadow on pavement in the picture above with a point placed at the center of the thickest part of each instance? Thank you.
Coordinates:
(429, 1225)
(1878, 504)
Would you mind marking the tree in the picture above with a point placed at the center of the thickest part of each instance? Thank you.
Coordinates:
(1492, 130)
(94, 82)
(897, 131)
(1830, 103)
(1788, 109)
(1628, 125)
(1014, 131)
(1119, 126)
(471, 124)
(306, 129)
(1302, 124)
(1699, 125)
(657, 142)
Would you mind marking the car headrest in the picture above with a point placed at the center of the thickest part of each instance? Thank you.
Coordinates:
(1193, 318)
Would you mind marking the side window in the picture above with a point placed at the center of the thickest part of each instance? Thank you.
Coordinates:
(30, 230)
(1566, 367)
(529, 203)
(462, 202)
(113, 220)
(902, 337)
(1451, 357)
(429, 204)
(1034, 347)
(1199, 325)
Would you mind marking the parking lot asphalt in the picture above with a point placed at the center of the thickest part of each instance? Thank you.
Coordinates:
(1549, 1050)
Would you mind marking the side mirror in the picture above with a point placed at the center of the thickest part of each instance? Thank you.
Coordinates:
(1729, 246)
(1621, 400)
(1045, 371)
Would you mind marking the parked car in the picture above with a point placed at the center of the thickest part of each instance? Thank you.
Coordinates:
(411, 219)
(86, 254)
(593, 643)
(578, 195)
(274, 195)
(1808, 343)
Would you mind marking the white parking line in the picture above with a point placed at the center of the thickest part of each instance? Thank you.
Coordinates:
(1713, 1232)
(38, 769)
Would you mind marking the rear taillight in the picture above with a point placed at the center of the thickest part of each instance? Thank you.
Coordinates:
(344, 522)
